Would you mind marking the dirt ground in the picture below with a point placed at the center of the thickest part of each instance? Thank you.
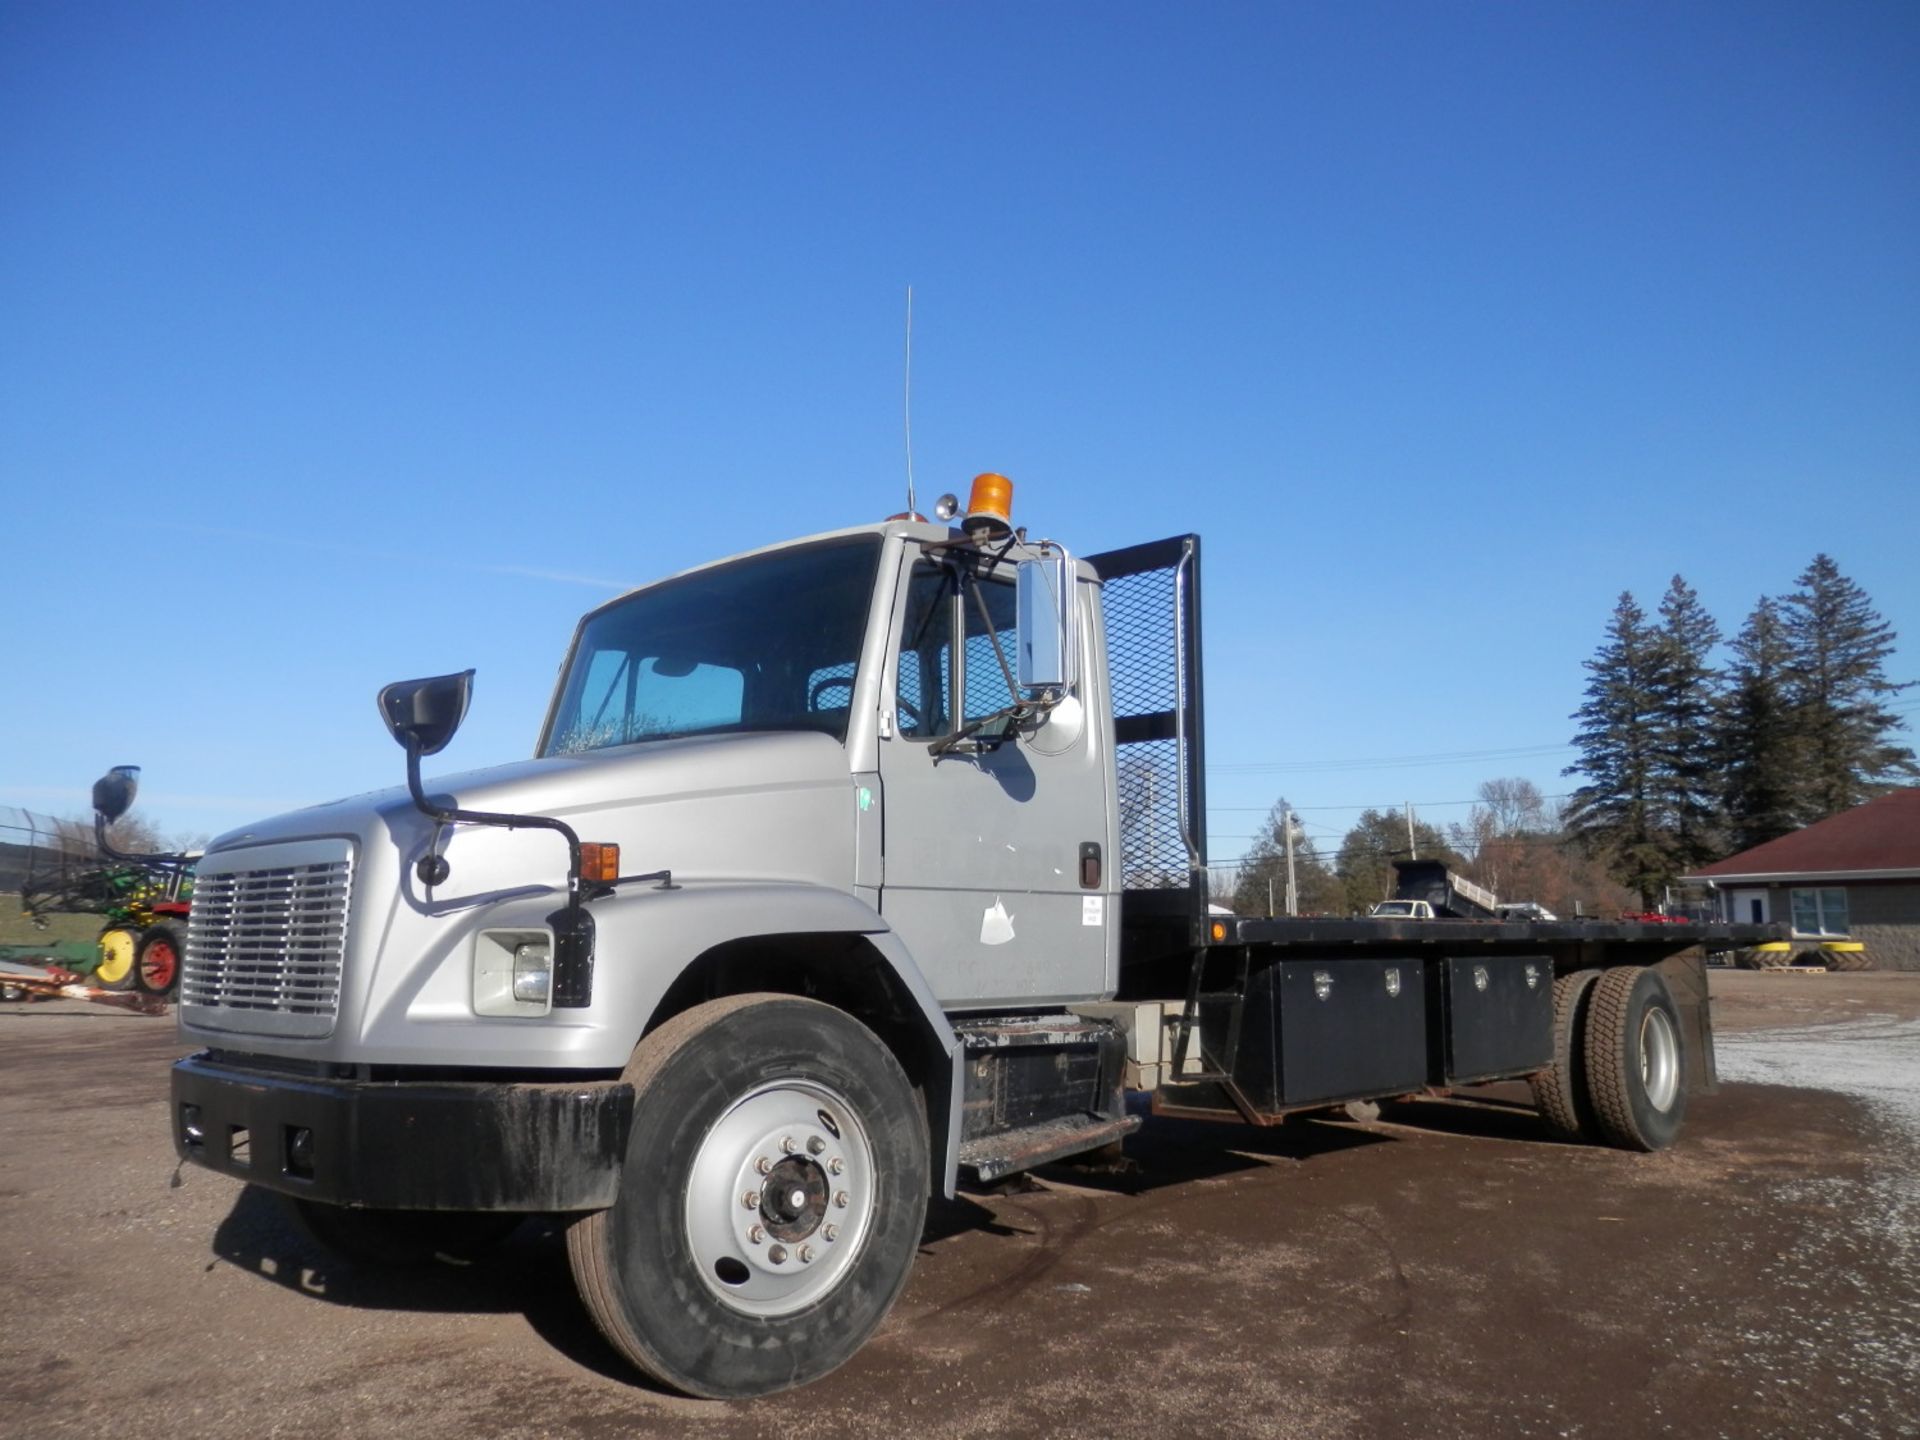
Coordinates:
(1446, 1271)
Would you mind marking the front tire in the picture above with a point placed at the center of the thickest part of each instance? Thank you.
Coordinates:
(774, 1193)
(119, 947)
(1636, 1062)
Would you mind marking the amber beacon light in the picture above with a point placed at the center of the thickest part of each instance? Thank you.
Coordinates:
(990, 506)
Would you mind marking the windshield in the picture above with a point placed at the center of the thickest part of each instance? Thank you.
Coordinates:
(769, 643)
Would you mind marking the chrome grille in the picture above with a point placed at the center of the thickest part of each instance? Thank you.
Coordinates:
(268, 943)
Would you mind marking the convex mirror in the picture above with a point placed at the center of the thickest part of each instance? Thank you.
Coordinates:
(424, 713)
(113, 792)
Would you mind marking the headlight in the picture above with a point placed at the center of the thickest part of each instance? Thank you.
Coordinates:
(533, 972)
(513, 973)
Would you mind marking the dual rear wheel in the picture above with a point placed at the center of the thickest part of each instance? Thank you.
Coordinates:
(1619, 1072)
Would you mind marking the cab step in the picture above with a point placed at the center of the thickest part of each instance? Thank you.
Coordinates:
(991, 1157)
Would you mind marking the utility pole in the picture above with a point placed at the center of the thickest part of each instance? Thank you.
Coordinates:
(1413, 846)
(1293, 890)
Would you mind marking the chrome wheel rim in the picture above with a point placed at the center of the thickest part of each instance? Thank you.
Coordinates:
(780, 1198)
(1659, 1059)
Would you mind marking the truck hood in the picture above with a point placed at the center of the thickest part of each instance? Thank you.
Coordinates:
(722, 807)
(591, 791)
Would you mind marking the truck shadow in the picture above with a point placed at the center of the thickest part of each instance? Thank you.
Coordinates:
(526, 1275)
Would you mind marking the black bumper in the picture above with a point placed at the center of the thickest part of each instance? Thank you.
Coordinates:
(405, 1145)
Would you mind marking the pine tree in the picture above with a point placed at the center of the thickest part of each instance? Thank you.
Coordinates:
(1837, 647)
(1616, 813)
(1685, 693)
(1263, 873)
(1762, 754)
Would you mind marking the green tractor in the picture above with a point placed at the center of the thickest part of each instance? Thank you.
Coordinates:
(142, 901)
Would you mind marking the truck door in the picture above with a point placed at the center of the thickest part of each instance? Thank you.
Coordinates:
(984, 845)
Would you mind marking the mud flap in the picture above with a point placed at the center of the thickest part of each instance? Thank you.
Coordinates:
(1686, 977)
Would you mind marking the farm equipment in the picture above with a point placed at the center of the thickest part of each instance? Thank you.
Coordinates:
(142, 900)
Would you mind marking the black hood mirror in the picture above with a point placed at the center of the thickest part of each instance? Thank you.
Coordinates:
(423, 714)
(113, 792)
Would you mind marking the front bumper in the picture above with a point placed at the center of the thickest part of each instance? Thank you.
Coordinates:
(405, 1144)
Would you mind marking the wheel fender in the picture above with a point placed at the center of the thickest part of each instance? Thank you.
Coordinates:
(646, 937)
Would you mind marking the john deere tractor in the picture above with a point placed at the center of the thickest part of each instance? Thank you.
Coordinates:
(142, 900)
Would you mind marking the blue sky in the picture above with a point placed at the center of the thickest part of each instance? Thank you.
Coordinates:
(346, 343)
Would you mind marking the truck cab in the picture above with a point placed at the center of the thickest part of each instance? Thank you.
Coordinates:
(867, 776)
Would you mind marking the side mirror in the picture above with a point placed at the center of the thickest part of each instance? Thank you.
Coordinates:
(1046, 612)
(423, 714)
(113, 792)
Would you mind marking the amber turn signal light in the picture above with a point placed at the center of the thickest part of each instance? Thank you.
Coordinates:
(1219, 931)
(599, 863)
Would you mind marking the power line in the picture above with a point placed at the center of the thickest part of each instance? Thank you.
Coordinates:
(1384, 805)
(1386, 762)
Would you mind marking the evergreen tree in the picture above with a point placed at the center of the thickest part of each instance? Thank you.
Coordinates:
(1615, 813)
(1762, 759)
(1263, 873)
(1685, 696)
(1836, 651)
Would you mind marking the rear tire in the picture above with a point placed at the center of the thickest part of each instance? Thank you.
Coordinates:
(1636, 1060)
(1848, 961)
(772, 1200)
(156, 962)
(401, 1239)
(1560, 1092)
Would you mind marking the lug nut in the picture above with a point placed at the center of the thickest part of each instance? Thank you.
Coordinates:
(830, 1233)
(806, 1254)
(815, 1145)
(836, 1165)
(763, 1165)
(787, 1145)
(751, 1199)
(778, 1254)
(840, 1199)
(755, 1235)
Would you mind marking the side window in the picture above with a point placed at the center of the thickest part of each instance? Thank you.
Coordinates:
(830, 689)
(923, 681)
(986, 680)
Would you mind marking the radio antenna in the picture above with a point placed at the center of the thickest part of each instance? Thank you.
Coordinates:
(906, 403)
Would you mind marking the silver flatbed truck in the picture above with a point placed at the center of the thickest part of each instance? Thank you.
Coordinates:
(843, 868)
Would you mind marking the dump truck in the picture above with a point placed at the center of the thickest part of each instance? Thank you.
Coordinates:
(1445, 895)
(843, 870)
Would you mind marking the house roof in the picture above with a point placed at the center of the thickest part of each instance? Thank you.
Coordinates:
(1879, 838)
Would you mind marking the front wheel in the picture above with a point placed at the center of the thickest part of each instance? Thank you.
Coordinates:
(774, 1192)
(118, 946)
(1635, 1061)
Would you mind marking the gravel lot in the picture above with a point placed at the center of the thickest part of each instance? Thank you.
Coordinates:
(1446, 1271)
